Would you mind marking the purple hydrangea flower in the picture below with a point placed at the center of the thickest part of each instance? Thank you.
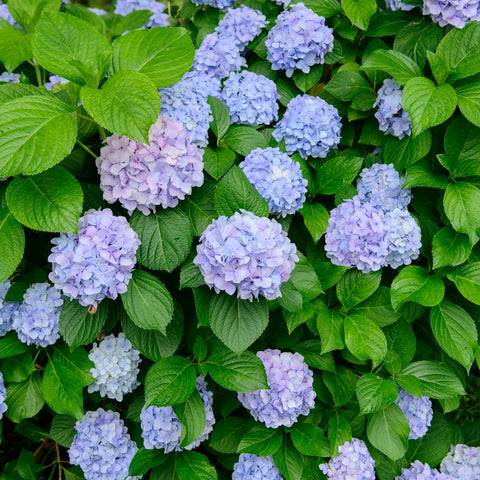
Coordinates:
(96, 263)
(462, 462)
(277, 178)
(9, 77)
(392, 118)
(3, 396)
(217, 56)
(299, 40)
(116, 367)
(253, 467)
(452, 12)
(6, 15)
(220, 4)
(144, 176)
(54, 80)
(398, 5)
(245, 253)
(102, 446)
(161, 428)
(310, 127)
(242, 25)
(7, 309)
(251, 99)
(158, 18)
(421, 471)
(291, 391)
(418, 411)
(353, 462)
(36, 320)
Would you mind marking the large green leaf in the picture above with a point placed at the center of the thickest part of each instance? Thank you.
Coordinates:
(244, 139)
(191, 414)
(15, 47)
(346, 85)
(315, 216)
(468, 95)
(378, 308)
(309, 439)
(450, 248)
(194, 466)
(407, 151)
(261, 440)
(28, 12)
(24, 399)
(341, 384)
(355, 287)
(374, 392)
(12, 243)
(218, 162)
(227, 434)
(359, 12)
(289, 461)
(401, 345)
(200, 208)
(467, 280)
(330, 326)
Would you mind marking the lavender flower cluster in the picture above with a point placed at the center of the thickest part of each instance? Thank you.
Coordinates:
(418, 411)
(277, 178)
(102, 446)
(158, 18)
(144, 176)
(3, 396)
(291, 391)
(220, 4)
(245, 253)
(98, 262)
(462, 462)
(398, 5)
(54, 80)
(422, 471)
(253, 467)
(452, 12)
(9, 77)
(7, 309)
(310, 126)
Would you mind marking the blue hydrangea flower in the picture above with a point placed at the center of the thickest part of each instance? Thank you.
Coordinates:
(3, 396)
(217, 56)
(381, 186)
(96, 263)
(253, 467)
(36, 320)
(54, 80)
(242, 25)
(98, 11)
(102, 446)
(220, 4)
(144, 176)
(452, 12)
(7, 309)
(310, 127)
(421, 471)
(299, 40)
(462, 462)
(291, 391)
(353, 462)
(398, 5)
(277, 178)
(116, 367)
(158, 18)
(247, 254)
(392, 118)
(6, 15)
(418, 411)
(9, 77)
(251, 99)
(161, 428)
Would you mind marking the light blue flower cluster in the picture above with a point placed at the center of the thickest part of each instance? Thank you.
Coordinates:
(102, 446)
(3, 396)
(245, 253)
(220, 4)
(6, 15)
(353, 462)
(158, 18)
(161, 428)
(36, 320)
(291, 391)
(418, 411)
(242, 25)
(391, 116)
(422, 471)
(277, 178)
(144, 176)
(310, 127)
(96, 263)
(253, 467)
(7, 309)
(462, 462)
(398, 5)
(452, 12)
(251, 99)
(116, 367)
(299, 40)
(6, 77)
(54, 80)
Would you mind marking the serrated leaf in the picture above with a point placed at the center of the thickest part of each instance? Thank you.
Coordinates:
(10, 346)
(378, 308)
(335, 172)
(191, 414)
(289, 461)
(199, 206)
(354, 287)
(244, 139)
(194, 466)
(261, 440)
(346, 85)
(144, 460)
(421, 175)
(227, 434)
(450, 248)
(330, 326)
(15, 47)
(359, 12)
(309, 439)
(401, 344)
(24, 399)
(316, 218)
(467, 280)
(12, 243)
(407, 151)
(27, 12)
(221, 117)
(469, 99)
(374, 392)
(341, 384)
(218, 162)
(63, 430)
(339, 432)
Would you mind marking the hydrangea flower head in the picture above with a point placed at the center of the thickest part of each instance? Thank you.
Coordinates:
(398, 5)
(55, 80)
(462, 462)
(291, 391)
(6, 77)
(247, 254)
(452, 12)
(220, 4)
(144, 176)
(96, 263)
(277, 178)
(251, 99)
(418, 411)
(116, 367)
(253, 467)
(7, 309)
(36, 320)
(310, 127)
(242, 25)
(158, 18)
(102, 446)
(299, 40)
(422, 471)
(391, 116)
(3, 396)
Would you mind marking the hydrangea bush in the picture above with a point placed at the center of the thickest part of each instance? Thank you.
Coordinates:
(239, 239)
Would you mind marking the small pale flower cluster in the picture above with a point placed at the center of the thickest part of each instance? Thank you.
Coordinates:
(452, 12)
(7, 309)
(247, 254)
(299, 40)
(116, 367)
(277, 178)
(102, 446)
(158, 18)
(398, 5)
(462, 462)
(251, 99)
(310, 127)
(54, 80)
(353, 462)
(392, 118)
(422, 471)
(96, 263)
(3, 396)
(253, 467)
(36, 319)
(6, 77)
(291, 391)
(220, 4)
(145, 176)
(418, 411)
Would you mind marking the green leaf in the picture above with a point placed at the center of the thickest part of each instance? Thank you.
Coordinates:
(414, 284)
(11, 91)
(244, 139)
(316, 218)
(191, 414)
(374, 393)
(330, 326)
(325, 8)
(200, 208)
(339, 432)
(469, 99)
(127, 104)
(305, 279)
(378, 308)
(421, 175)
(409, 150)
(227, 434)
(15, 47)
(305, 81)
(163, 54)
(10, 346)
(17, 368)
(359, 12)
(337, 171)
(144, 460)
(169, 382)
(190, 275)
(450, 248)
(24, 399)
(467, 280)
(12, 243)
(147, 302)
(236, 322)
(310, 350)
(194, 466)
(354, 287)
(309, 439)
(218, 162)
(63, 430)
(341, 384)
(261, 441)
(37, 133)
(401, 344)
(221, 117)
(289, 461)
(27, 467)
(27, 12)
(120, 24)
(387, 23)
(346, 85)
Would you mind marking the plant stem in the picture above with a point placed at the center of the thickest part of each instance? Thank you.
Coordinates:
(102, 133)
(86, 149)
